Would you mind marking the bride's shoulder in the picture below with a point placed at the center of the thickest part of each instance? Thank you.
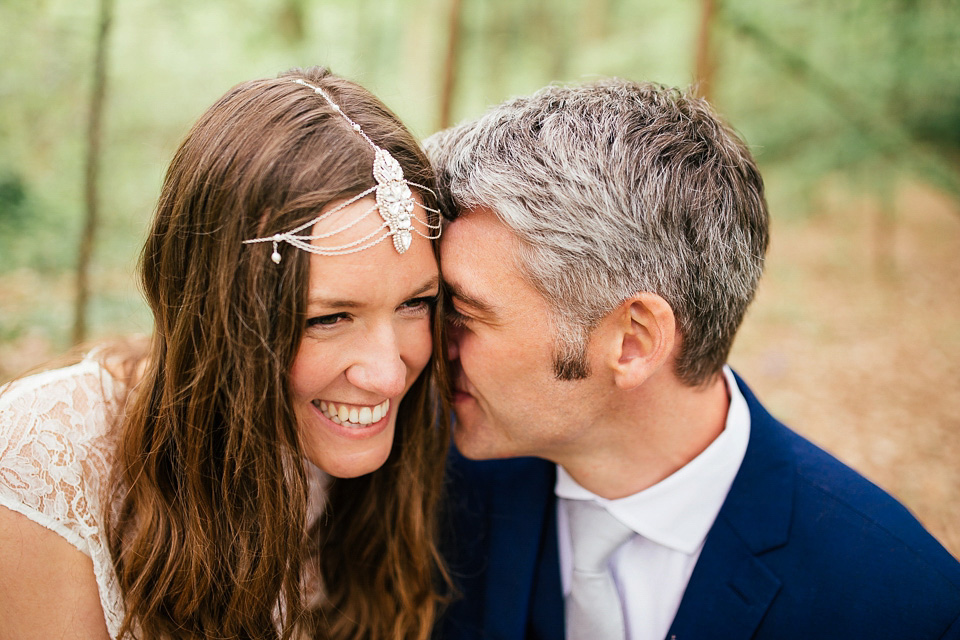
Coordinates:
(56, 437)
(57, 442)
(79, 397)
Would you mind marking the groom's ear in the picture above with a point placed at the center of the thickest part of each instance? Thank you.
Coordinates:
(640, 337)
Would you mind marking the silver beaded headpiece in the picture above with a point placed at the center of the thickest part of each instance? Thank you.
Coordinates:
(394, 201)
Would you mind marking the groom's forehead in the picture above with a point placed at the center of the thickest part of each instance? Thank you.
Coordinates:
(479, 260)
(469, 276)
(477, 239)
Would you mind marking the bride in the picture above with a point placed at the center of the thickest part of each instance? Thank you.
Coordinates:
(267, 464)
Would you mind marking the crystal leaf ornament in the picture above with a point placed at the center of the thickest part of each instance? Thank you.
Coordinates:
(394, 201)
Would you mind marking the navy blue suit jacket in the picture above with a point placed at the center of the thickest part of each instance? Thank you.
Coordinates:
(803, 548)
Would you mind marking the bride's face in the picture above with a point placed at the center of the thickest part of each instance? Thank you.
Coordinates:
(368, 337)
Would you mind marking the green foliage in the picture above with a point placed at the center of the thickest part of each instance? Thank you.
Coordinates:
(864, 89)
(13, 194)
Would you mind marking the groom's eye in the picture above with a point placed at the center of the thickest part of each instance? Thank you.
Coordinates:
(456, 318)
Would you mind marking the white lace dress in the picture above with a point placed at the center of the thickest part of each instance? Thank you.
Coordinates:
(56, 452)
(55, 458)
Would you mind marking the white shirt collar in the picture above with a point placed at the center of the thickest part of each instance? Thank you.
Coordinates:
(678, 511)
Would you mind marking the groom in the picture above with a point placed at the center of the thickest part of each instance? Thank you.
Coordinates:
(617, 479)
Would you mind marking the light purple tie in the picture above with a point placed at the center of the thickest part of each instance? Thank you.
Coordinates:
(593, 606)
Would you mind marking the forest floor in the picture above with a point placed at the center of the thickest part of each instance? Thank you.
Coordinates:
(859, 354)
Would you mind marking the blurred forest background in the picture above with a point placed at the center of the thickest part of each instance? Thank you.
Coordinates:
(852, 110)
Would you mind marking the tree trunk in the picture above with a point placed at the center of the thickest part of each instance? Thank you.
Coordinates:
(94, 135)
(291, 21)
(705, 63)
(595, 20)
(448, 86)
(885, 233)
(901, 14)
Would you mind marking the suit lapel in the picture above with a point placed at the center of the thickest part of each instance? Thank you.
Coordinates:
(519, 513)
(731, 588)
(728, 594)
(546, 611)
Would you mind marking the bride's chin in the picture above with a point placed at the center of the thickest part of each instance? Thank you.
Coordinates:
(345, 452)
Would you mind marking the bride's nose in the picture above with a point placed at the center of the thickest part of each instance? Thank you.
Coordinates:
(379, 367)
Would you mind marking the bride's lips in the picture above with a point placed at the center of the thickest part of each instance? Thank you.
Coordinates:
(353, 421)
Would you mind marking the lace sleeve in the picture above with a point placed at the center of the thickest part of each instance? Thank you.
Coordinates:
(55, 458)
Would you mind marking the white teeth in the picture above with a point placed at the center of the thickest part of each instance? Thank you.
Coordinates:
(353, 416)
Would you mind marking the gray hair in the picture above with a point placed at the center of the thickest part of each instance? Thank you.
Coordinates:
(614, 188)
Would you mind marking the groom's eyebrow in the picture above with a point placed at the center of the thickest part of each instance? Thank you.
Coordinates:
(474, 303)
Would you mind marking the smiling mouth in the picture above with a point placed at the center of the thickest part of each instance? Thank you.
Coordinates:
(353, 416)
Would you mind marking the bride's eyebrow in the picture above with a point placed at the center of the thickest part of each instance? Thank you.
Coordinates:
(318, 301)
(432, 283)
(344, 303)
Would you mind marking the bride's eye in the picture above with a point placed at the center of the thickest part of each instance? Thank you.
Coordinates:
(327, 320)
(420, 305)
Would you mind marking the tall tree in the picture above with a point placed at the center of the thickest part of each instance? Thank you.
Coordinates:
(595, 20)
(291, 21)
(705, 62)
(91, 185)
(449, 82)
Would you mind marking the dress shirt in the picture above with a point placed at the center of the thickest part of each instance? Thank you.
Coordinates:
(671, 519)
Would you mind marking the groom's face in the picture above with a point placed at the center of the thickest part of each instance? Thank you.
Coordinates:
(507, 399)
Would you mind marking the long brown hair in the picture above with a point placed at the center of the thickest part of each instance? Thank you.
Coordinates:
(208, 531)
